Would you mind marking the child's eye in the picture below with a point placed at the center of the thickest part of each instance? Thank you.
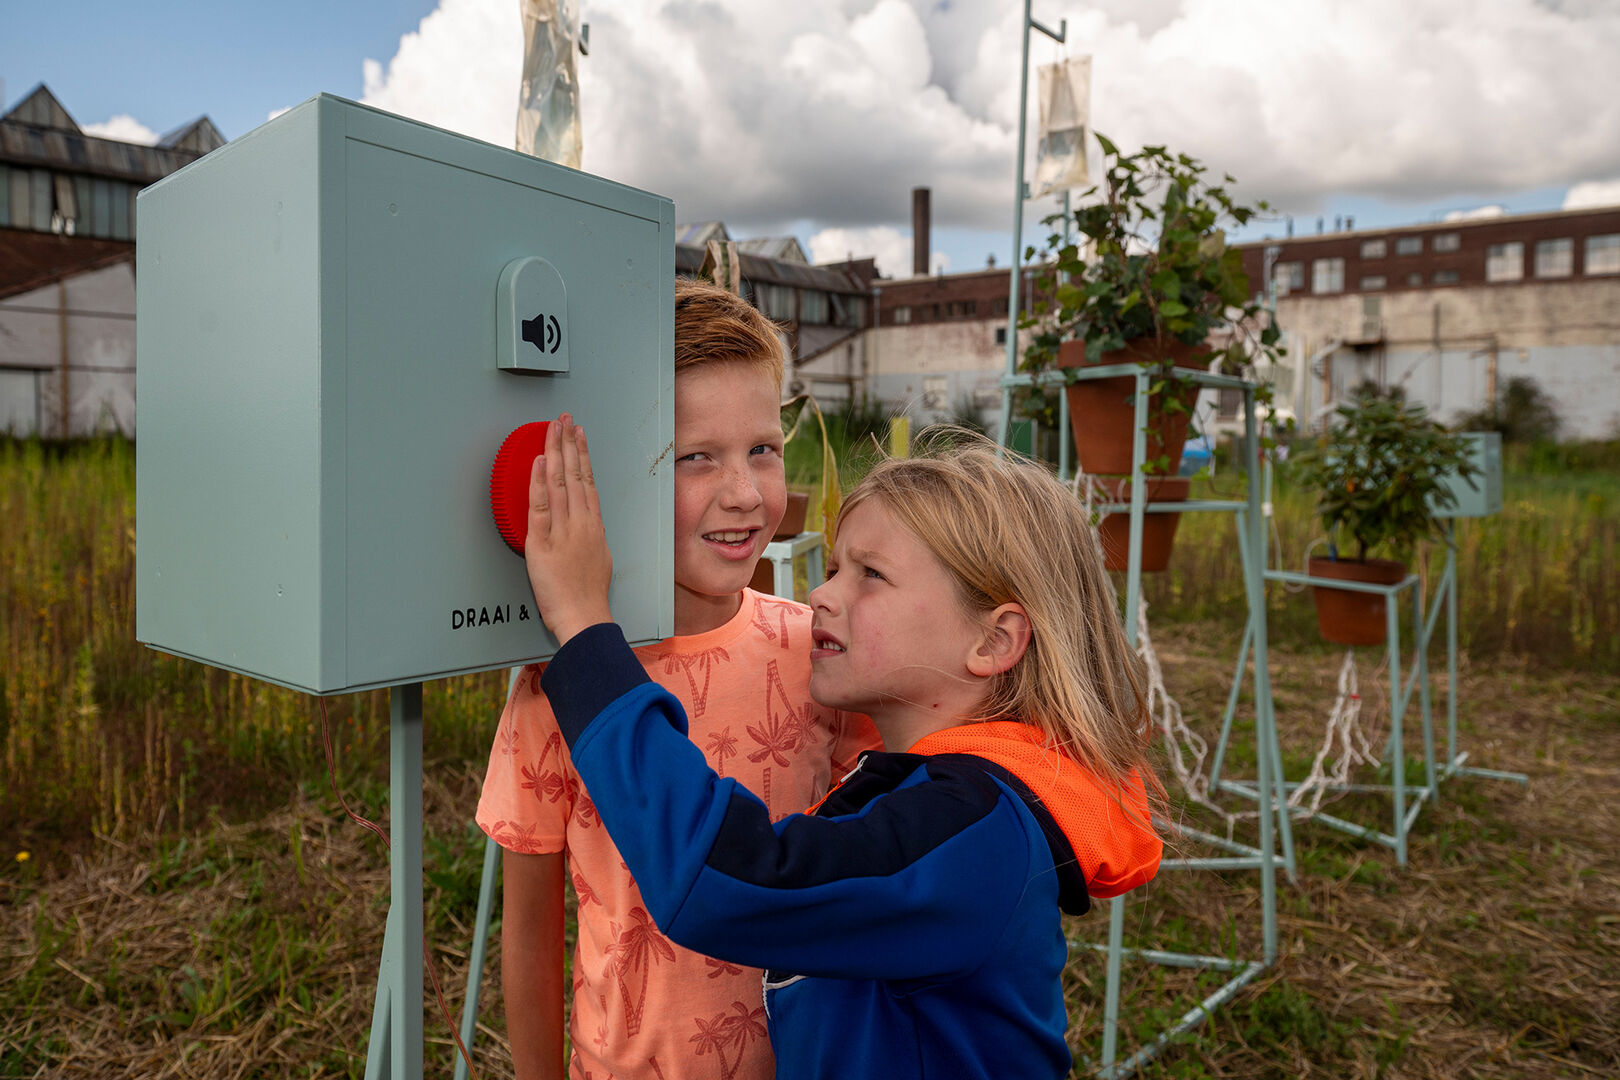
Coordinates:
(871, 573)
(696, 455)
(763, 448)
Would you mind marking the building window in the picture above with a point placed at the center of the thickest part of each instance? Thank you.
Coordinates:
(1372, 282)
(1505, 262)
(1327, 276)
(1001, 335)
(1445, 277)
(1555, 258)
(775, 301)
(1409, 245)
(1603, 254)
(1374, 249)
(812, 306)
(1447, 241)
(936, 391)
(999, 306)
(1414, 279)
(902, 315)
(1289, 276)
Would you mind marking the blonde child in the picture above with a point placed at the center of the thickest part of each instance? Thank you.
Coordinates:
(910, 925)
(739, 666)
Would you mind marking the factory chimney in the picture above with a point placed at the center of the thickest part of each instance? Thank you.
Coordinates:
(919, 232)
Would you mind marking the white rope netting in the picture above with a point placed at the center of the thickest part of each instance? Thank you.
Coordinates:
(1344, 730)
(1186, 750)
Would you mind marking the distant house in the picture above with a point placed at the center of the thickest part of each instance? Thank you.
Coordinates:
(1449, 311)
(67, 266)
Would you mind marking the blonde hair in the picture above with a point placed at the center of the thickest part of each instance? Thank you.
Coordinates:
(1009, 532)
(713, 326)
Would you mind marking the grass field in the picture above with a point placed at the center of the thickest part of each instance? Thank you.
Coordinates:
(194, 903)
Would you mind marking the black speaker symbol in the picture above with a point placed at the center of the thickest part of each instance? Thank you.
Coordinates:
(544, 332)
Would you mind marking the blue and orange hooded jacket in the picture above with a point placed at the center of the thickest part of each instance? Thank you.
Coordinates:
(910, 926)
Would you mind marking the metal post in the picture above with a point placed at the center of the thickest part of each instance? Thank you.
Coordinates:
(1397, 706)
(1451, 646)
(1133, 580)
(1015, 272)
(405, 878)
(1269, 771)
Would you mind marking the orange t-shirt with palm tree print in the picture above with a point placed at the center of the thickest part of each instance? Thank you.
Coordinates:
(644, 1006)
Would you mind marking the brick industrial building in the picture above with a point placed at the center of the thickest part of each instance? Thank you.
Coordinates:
(1449, 311)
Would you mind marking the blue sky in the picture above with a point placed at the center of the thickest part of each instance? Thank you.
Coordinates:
(818, 117)
(166, 62)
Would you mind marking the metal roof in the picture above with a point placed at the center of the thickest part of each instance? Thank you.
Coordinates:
(39, 133)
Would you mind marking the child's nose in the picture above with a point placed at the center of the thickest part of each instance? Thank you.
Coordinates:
(740, 492)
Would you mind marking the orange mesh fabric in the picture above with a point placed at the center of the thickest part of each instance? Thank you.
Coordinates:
(1108, 828)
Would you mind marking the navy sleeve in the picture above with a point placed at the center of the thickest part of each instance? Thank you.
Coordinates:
(918, 884)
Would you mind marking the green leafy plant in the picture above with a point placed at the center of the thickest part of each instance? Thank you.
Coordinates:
(1379, 473)
(1151, 265)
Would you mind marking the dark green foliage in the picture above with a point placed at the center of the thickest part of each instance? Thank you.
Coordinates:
(1377, 472)
(1158, 268)
(1522, 413)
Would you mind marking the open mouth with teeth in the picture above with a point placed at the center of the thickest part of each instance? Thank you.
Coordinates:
(824, 644)
(733, 543)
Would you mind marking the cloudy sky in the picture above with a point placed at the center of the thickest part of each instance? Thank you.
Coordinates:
(817, 117)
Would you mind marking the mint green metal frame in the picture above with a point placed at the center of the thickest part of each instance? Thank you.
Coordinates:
(1403, 815)
(1251, 541)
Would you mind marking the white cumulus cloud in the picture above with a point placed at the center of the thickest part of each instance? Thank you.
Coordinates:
(890, 247)
(830, 111)
(124, 128)
(1590, 193)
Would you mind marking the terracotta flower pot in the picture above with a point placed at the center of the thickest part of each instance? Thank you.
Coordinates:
(798, 506)
(1353, 618)
(1102, 414)
(1158, 530)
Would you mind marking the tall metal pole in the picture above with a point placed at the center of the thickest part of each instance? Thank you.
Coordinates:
(1015, 273)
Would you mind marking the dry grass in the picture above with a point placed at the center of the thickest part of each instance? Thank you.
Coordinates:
(250, 949)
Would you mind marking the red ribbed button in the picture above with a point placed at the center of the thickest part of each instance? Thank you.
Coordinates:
(509, 481)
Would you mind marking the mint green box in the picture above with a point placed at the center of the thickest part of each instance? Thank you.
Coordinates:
(324, 380)
(1481, 495)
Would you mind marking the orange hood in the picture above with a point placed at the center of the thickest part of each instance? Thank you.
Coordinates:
(1107, 828)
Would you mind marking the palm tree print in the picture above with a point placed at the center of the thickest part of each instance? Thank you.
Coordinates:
(509, 739)
(764, 608)
(687, 663)
(784, 731)
(516, 836)
(736, 1030)
(722, 744)
(582, 889)
(719, 968)
(633, 952)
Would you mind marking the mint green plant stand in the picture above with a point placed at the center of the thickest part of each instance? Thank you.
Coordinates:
(1273, 821)
(1406, 801)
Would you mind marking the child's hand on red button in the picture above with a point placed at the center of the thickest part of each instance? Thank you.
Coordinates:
(566, 550)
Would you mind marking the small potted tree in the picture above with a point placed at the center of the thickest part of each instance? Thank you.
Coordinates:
(1150, 281)
(1379, 473)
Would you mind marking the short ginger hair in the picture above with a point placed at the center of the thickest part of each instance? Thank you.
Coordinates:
(713, 326)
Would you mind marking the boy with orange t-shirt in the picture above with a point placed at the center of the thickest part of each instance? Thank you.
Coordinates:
(740, 665)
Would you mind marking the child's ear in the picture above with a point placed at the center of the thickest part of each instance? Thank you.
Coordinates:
(1006, 636)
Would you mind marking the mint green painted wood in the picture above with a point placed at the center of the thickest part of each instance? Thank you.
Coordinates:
(1483, 497)
(322, 397)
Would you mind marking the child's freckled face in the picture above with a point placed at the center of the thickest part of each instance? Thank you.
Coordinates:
(890, 633)
(730, 489)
